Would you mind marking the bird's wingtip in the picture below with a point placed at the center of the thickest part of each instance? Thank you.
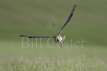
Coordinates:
(23, 36)
(75, 5)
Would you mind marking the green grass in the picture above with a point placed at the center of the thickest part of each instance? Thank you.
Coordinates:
(84, 48)
(47, 50)
(45, 58)
(53, 64)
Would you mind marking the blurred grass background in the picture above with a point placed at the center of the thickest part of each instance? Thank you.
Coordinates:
(31, 17)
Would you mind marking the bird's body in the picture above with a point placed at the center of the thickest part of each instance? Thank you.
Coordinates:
(58, 39)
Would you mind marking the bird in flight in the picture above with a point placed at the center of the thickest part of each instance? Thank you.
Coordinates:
(58, 39)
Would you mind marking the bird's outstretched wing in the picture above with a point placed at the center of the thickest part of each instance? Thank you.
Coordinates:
(27, 36)
(68, 19)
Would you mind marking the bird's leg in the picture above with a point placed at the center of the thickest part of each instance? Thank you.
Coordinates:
(60, 43)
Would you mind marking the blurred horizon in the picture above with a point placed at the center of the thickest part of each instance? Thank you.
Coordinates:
(87, 27)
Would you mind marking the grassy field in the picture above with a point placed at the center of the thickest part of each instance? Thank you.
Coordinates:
(53, 64)
(85, 46)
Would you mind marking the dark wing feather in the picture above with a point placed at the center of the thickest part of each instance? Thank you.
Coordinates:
(68, 19)
(27, 36)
